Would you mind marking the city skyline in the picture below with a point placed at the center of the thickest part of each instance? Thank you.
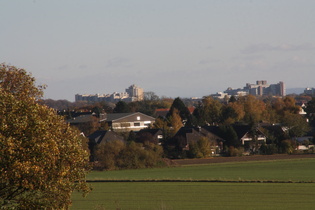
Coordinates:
(136, 93)
(132, 93)
(173, 48)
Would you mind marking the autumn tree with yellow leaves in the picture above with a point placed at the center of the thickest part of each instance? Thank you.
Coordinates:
(42, 158)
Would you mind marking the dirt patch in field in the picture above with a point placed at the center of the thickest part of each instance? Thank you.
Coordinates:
(240, 159)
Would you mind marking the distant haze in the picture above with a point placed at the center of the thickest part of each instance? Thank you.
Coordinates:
(295, 90)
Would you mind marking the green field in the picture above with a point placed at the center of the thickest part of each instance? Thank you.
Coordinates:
(283, 170)
(206, 195)
(189, 195)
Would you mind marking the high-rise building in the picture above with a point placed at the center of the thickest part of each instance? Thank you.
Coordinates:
(135, 92)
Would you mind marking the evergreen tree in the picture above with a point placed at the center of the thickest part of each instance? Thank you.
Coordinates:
(121, 107)
(180, 107)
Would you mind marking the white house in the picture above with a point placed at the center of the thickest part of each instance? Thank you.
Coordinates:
(122, 122)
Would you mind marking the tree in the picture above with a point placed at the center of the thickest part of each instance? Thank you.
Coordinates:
(162, 124)
(310, 110)
(286, 105)
(253, 108)
(151, 96)
(237, 112)
(121, 107)
(230, 136)
(41, 157)
(179, 106)
(232, 99)
(296, 125)
(212, 110)
(19, 83)
(209, 111)
(229, 115)
(175, 121)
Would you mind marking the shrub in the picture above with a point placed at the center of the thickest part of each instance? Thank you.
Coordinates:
(200, 149)
(106, 154)
(118, 155)
(288, 146)
(268, 149)
(232, 151)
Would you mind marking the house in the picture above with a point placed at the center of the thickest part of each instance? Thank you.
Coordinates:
(274, 133)
(151, 135)
(244, 133)
(124, 122)
(249, 137)
(87, 122)
(187, 135)
(161, 112)
(302, 105)
(101, 137)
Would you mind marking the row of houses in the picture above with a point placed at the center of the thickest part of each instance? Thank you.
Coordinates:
(139, 123)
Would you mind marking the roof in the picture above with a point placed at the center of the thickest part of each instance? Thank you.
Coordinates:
(151, 131)
(119, 116)
(213, 129)
(191, 134)
(161, 112)
(274, 128)
(241, 130)
(97, 136)
(81, 119)
(100, 135)
(116, 116)
(183, 131)
(191, 109)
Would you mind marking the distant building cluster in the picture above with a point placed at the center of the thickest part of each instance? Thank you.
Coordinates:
(309, 91)
(133, 93)
(261, 88)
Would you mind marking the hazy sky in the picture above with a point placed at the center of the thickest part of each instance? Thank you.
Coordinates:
(183, 48)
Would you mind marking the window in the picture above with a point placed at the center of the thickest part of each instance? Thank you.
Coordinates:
(125, 124)
(138, 117)
(136, 124)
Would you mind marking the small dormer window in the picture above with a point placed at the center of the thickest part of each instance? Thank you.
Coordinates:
(138, 117)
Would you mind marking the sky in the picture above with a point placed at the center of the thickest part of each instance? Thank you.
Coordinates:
(175, 48)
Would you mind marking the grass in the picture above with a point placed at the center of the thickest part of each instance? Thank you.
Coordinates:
(278, 170)
(206, 195)
(188, 195)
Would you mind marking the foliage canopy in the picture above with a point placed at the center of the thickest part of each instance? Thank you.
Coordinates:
(41, 157)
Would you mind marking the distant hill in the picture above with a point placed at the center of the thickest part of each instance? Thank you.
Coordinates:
(294, 90)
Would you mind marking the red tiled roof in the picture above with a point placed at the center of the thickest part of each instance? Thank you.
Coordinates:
(191, 109)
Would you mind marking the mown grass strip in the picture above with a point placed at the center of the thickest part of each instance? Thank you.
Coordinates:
(195, 180)
(296, 170)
